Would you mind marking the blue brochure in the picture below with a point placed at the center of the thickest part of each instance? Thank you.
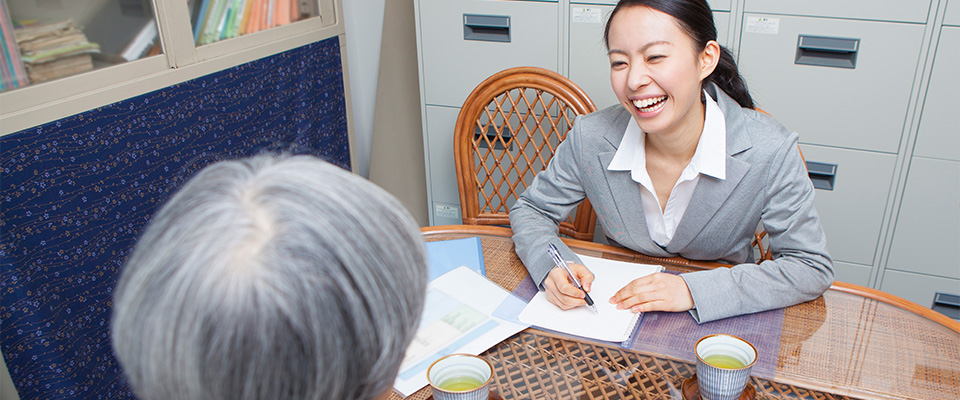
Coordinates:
(447, 255)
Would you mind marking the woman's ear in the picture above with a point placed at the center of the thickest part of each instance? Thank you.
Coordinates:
(709, 58)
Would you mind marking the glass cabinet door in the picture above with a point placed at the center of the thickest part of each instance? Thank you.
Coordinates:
(44, 40)
(215, 20)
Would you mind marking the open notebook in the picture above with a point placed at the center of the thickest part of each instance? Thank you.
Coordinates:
(609, 324)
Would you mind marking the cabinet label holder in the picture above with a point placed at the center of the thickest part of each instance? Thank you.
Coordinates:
(486, 28)
(827, 51)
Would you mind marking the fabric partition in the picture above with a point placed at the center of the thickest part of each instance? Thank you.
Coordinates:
(78, 191)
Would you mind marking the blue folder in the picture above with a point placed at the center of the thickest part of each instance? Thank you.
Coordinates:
(446, 255)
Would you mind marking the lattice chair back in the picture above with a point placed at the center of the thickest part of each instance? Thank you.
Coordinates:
(507, 131)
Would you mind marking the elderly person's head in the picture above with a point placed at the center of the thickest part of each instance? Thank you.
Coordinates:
(270, 278)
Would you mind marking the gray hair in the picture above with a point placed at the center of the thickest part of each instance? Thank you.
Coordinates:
(270, 278)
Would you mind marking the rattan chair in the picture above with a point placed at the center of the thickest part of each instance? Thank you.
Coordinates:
(507, 131)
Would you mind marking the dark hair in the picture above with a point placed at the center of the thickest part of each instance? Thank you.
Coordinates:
(696, 19)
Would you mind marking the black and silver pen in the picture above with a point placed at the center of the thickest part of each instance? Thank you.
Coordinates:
(558, 259)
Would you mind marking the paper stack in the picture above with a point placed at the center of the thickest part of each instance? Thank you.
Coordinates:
(54, 49)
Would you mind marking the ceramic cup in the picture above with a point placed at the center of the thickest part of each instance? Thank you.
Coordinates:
(460, 377)
(724, 363)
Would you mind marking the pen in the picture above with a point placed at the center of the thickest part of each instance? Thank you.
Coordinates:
(557, 259)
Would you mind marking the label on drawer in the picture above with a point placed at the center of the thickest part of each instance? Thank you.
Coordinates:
(586, 14)
(770, 26)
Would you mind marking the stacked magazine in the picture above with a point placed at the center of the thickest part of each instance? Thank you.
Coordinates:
(52, 50)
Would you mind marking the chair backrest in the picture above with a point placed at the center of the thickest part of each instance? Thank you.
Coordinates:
(507, 131)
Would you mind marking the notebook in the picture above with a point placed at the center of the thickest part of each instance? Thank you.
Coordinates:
(609, 324)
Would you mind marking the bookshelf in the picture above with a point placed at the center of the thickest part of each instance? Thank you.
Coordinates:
(146, 45)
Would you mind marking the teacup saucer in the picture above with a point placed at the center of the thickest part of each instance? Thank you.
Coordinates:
(493, 396)
(691, 391)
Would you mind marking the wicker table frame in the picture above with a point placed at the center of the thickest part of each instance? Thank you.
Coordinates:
(852, 342)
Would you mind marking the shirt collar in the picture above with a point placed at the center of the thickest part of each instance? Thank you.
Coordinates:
(708, 159)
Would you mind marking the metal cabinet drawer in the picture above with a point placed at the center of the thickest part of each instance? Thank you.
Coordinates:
(464, 42)
(863, 107)
(852, 273)
(927, 234)
(716, 5)
(852, 212)
(917, 288)
(880, 10)
(939, 134)
(952, 16)
(589, 64)
(441, 170)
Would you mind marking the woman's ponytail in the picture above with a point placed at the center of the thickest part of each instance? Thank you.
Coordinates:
(727, 77)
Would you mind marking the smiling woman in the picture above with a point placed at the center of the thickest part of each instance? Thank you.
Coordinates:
(682, 167)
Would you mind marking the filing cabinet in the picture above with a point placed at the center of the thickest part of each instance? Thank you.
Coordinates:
(461, 43)
(445, 199)
(589, 64)
(845, 76)
(851, 273)
(940, 108)
(860, 105)
(877, 10)
(851, 213)
(924, 255)
(468, 40)
(924, 252)
(928, 226)
(917, 288)
(952, 17)
(870, 85)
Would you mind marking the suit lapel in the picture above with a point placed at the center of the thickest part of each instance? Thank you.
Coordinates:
(711, 193)
(625, 193)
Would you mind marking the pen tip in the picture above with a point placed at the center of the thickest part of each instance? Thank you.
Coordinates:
(594, 308)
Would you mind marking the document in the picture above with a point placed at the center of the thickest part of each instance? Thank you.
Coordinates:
(457, 318)
(609, 324)
(445, 255)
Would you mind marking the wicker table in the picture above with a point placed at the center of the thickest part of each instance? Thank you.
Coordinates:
(852, 342)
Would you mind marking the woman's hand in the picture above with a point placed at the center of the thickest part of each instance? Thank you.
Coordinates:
(563, 293)
(656, 292)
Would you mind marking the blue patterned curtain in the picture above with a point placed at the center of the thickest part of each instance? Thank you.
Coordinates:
(76, 193)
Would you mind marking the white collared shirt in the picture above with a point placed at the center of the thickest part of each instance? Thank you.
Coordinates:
(708, 159)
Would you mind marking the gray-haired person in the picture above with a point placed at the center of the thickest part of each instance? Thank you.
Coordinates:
(270, 278)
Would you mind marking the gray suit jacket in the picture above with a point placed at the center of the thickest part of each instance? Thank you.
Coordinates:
(766, 181)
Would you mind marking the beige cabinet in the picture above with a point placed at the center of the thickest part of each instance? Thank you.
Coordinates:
(180, 59)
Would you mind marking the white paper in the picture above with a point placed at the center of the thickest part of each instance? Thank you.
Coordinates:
(585, 14)
(767, 25)
(609, 324)
(457, 318)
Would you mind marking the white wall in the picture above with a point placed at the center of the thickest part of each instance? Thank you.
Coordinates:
(363, 21)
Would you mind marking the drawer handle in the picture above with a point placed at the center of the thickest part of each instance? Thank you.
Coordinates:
(827, 51)
(823, 175)
(487, 28)
(498, 140)
(947, 304)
